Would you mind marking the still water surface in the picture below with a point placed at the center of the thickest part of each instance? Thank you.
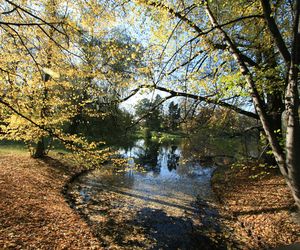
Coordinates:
(154, 207)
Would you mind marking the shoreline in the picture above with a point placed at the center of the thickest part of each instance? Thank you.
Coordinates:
(38, 212)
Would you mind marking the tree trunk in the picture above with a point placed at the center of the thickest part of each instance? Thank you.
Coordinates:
(40, 150)
(292, 112)
(275, 110)
(293, 134)
(74, 125)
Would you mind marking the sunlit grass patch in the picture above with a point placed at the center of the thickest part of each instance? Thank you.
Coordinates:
(9, 147)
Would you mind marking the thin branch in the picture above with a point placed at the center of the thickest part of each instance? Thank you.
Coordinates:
(174, 29)
(25, 24)
(34, 16)
(184, 63)
(174, 54)
(176, 14)
(27, 49)
(9, 11)
(231, 22)
(15, 74)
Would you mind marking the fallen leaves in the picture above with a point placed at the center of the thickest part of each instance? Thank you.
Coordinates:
(256, 211)
(33, 212)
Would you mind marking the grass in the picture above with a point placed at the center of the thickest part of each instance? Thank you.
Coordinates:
(11, 147)
(19, 148)
(160, 137)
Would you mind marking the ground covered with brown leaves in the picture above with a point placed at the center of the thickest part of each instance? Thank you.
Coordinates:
(34, 213)
(255, 212)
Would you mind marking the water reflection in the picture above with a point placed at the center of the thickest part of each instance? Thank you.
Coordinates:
(152, 208)
(173, 159)
(149, 155)
(162, 160)
(167, 178)
(199, 150)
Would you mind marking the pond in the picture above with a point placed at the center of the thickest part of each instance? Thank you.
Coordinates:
(154, 203)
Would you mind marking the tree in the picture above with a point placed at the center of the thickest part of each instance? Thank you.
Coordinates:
(108, 72)
(150, 112)
(49, 82)
(39, 67)
(31, 82)
(174, 116)
(236, 50)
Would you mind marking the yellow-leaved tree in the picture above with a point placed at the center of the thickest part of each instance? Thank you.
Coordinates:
(59, 62)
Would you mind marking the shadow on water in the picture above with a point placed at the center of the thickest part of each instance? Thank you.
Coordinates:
(166, 205)
(156, 201)
(170, 232)
(150, 228)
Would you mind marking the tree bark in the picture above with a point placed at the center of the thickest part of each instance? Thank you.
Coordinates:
(40, 150)
(293, 134)
(292, 111)
(41, 145)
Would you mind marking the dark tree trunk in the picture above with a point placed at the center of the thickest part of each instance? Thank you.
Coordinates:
(40, 150)
(275, 109)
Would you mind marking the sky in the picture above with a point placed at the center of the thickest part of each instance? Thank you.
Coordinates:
(129, 104)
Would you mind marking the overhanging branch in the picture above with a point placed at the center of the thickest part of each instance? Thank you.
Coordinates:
(207, 99)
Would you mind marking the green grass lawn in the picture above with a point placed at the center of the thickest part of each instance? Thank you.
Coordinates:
(20, 148)
(160, 136)
(11, 147)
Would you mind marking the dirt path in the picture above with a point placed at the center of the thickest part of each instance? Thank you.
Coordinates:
(33, 211)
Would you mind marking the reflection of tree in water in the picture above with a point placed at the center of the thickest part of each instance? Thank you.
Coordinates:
(197, 147)
(207, 147)
(149, 156)
(173, 159)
